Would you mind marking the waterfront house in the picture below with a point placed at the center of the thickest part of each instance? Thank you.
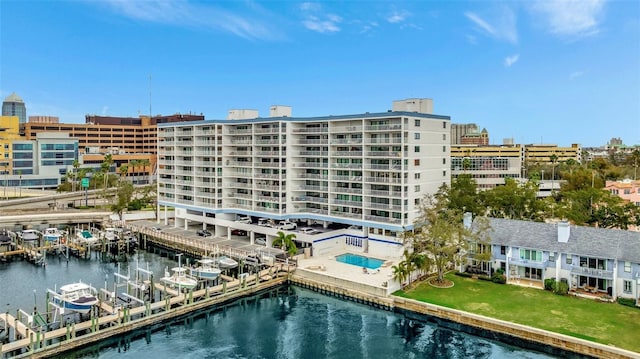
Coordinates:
(592, 260)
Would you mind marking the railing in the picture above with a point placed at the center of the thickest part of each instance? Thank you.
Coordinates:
(346, 153)
(384, 153)
(383, 180)
(592, 272)
(310, 130)
(347, 190)
(383, 219)
(383, 140)
(527, 263)
(311, 142)
(384, 127)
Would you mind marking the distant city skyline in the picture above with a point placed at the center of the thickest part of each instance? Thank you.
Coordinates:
(556, 72)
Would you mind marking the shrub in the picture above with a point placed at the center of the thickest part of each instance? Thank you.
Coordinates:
(560, 288)
(484, 277)
(629, 302)
(498, 278)
(549, 284)
(500, 271)
(464, 274)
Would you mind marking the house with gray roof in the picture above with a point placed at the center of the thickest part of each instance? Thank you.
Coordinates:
(590, 260)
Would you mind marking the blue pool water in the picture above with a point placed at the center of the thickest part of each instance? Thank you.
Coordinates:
(360, 261)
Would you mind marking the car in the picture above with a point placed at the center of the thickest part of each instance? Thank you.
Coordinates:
(308, 230)
(263, 222)
(355, 227)
(204, 233)
(245, 219)
(238, 232)
(157, 229)
(286, 225)
(261, 241)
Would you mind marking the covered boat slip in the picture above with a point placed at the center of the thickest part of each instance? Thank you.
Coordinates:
(117, 320)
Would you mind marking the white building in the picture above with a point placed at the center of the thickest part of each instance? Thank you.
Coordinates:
(369, 170)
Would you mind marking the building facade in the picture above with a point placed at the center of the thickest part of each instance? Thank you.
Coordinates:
(367, 170)
(595, 261)
(628, 190)
(489, 166)
(13, 105)
(458, 130)
(9, 132)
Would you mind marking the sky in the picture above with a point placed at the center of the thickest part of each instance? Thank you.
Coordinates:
(553, 72)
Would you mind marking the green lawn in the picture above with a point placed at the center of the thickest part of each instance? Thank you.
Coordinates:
(607, 323)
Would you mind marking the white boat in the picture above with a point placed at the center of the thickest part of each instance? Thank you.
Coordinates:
(206, 269)
(111, 234)
(225, 262)
(53, 234)
(86, 237)
(179, 278)
(29, 235)
(78, 297)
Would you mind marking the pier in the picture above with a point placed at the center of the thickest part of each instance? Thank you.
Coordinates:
(29, 336)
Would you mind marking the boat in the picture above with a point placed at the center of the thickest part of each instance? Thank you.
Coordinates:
(53, 234)
(77, 297)
(29, 235)
(179, 278)
(111, 234)
(85, 237)
(225, 262)
(206, 269)
(5, 237)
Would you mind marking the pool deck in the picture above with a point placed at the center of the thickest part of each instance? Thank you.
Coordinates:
(327, 269)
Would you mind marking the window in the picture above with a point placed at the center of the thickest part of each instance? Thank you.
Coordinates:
(503, 250)
(416, 188)
(416, 135)
(444, 173)
(444, 148)
(416, 201)
(444, 161)
(444, 124)
(568, 259)
(416, 162)
(417, 124)
(416, 149)
(552, 257)
(416, 176)
(627, 286)
(530, 254)
(627, 267)
(444, 136)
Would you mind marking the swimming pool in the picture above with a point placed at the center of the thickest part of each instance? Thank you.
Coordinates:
(360, 261)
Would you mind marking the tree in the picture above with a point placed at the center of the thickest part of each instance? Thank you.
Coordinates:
(123, 197)
(76, 165)
(464, 196)
(105, 166)
(515, 201)
(400, 273)
(124, 169)
(149, 195)
(285, 242)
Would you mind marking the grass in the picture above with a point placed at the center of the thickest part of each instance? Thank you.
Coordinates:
(602, 322)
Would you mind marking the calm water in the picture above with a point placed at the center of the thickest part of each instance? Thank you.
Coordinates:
(360, 261)
(287, 323)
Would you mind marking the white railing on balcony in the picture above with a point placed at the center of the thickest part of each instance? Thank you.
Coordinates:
(310, 130)
(267, 153)
(346, 153)
(347, 190)
(346, 165)
(240, 153)
(383, 127)
(390, 207)
(267, 142)
(310, 199)
(266, 130)
(239, 163)
(230, 131)
(314, 153)
(347, 178)
(269, 164)
(266, 175)
(341, 202)
(384, 153)
(383, 180)
(311, 165)
(267, 187)
(313, 188)
(305, 141)
(346, 214)
(346, 141)
(312, 176)
(238, 185)
(241, 142)
(384, 140)
(383, 219)
(346, 129)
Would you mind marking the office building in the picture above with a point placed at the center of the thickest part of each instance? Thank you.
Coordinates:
(13, 105)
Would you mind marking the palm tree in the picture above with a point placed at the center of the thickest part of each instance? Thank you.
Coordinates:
(124, 169)
(106, 167)
(145, 163)
(285, 242)
(20, 182)
(76, 165)
(400, 273)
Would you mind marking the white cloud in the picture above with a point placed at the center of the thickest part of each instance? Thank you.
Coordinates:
(501, 27)
(186, 14)
(510, 60)
(573, 18)
(398, 16)
(317, 20)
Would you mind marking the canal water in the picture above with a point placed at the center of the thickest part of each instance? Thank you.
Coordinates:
(288, 322)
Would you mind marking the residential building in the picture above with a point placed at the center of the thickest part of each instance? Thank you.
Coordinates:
(13, 105)
(544, 154)
(369, 170)
(628, 190)
(596, 261)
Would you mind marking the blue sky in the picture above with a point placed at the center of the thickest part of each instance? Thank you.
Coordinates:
(538, 71)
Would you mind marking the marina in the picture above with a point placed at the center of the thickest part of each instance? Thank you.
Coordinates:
(137, 299)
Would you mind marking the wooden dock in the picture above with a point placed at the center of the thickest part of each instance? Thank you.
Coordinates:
(112, 321)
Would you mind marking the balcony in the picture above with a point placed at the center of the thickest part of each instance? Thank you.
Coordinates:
(311, 165)
(310, 199)
(314, 153)
(340, 202)
(383, 180)
(347, 178)
(267, 142)
(592, 272)
(384, 154)
(346, 129)
(311, 142)
(312, 176)
(390, 127)
(384, 140)
(246, 131)
(383, 219)
(312, 188)
(311, 130)
(347, 190)
(347, 153)
(527, 263)
(266, 130)
(269, 164)
(346, 214)
(347, 165)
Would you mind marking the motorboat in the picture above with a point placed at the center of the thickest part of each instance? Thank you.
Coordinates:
(179, 278)
(86, 237)
(111, 234)
(206, 269)
(5, 237)
(53, 235)
(29, 235)
(225, 262)
(77, 297)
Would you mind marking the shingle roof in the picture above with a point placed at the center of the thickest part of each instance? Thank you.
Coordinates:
(588, 241)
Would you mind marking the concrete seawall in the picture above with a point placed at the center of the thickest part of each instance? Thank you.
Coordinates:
(516, 334)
